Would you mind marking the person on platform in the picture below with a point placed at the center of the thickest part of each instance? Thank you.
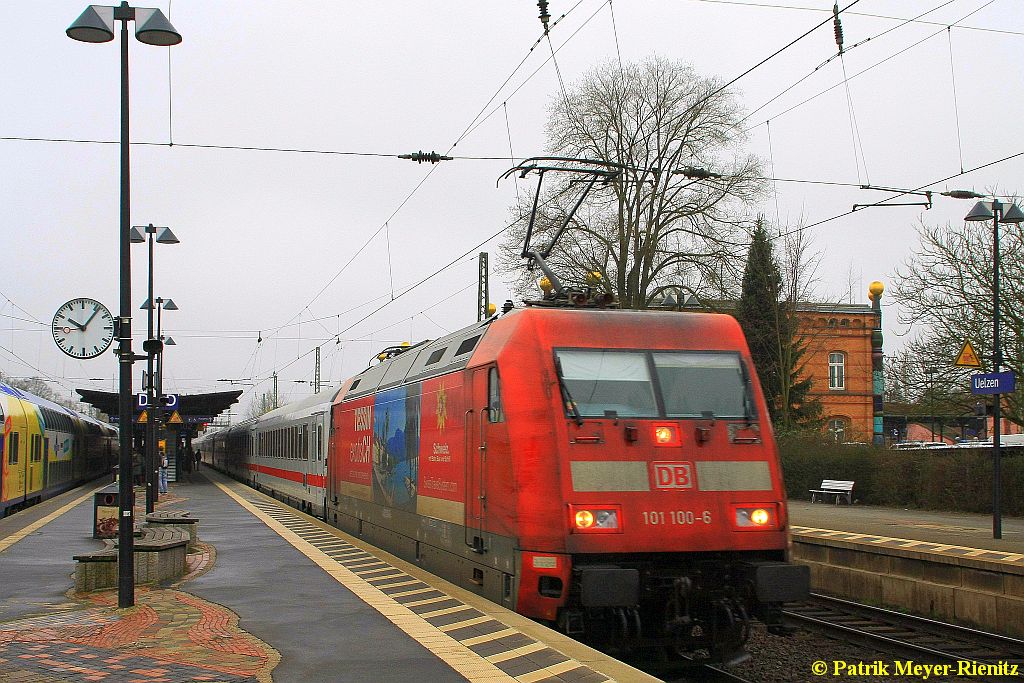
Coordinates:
(163, 473)
(199, 458)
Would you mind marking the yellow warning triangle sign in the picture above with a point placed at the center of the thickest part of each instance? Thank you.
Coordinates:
(175, 419)
(968, 358)
(143, 417)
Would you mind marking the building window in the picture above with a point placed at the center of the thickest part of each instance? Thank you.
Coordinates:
(837, 429)
(837, 370)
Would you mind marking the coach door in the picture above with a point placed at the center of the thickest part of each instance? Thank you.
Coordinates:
(476, 460)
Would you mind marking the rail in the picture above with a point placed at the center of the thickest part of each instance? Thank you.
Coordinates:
(906, 634)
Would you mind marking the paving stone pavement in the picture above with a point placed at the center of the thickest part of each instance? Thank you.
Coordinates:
(169, 636)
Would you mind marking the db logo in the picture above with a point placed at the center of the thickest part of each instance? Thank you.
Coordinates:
(672, 475)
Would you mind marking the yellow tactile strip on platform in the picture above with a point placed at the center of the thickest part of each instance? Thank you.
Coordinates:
(908, 544)
(475, 645)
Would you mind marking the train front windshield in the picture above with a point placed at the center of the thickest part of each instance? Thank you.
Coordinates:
(682, 384)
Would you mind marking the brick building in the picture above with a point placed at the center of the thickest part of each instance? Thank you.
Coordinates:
(837, 359)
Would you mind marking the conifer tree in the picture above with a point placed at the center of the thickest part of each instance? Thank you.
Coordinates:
(769, 321)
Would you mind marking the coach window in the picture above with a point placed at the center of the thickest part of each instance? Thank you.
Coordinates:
(837, 370)
(494, 411)
(12, 455)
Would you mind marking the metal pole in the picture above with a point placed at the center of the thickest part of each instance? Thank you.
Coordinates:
(158, 409)
(151, 493)
(997, 360)
(126, 494)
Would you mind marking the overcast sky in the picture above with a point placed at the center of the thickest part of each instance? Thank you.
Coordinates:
(288, 247)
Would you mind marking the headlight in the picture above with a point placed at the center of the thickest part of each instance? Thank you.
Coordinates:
(755, 517)
(595, 519)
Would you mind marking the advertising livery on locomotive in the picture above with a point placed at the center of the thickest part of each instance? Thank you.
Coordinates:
(612, 473)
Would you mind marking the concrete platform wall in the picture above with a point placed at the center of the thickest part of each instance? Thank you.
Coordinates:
(985, 595)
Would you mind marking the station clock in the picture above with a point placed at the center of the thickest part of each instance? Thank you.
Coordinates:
(83, 328)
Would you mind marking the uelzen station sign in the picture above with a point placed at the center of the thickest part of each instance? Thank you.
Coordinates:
(994, 383)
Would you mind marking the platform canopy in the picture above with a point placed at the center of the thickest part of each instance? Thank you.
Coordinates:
(191, 408)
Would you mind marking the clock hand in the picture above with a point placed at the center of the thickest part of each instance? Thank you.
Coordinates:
(78, 325)
(94, 312)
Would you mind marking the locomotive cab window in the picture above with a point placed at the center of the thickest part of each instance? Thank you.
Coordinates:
(693, 384)
(637, 384)
(600, 382)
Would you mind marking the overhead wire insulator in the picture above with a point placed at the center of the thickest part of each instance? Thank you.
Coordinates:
(420, 157)
(838, 27)
(697, 173)
(544, 16)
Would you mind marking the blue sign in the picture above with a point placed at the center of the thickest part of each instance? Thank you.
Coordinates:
(994, 383)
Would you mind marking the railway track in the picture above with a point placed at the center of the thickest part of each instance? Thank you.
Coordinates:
(904, 635)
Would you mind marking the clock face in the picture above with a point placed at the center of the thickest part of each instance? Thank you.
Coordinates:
(83, 328)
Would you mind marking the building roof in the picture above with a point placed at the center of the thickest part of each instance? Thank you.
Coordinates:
(189, 405)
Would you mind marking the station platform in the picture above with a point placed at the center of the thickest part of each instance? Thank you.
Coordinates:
(940, 565)
(271, 595)
(952, 533)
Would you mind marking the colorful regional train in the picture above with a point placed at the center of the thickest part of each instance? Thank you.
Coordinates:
(46, 448)
(612, 473)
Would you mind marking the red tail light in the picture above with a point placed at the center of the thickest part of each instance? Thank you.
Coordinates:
(666, 435)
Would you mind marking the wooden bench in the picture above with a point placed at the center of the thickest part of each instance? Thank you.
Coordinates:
(159, 554)
(176, 519)
(833, 487)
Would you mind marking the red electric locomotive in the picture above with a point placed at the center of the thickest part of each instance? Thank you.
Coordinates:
(611, 472)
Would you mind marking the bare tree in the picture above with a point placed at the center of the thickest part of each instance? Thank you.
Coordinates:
(945, 289)
(674, 217)
(260, 405)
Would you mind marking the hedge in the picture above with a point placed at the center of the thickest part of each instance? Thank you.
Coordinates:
(956, 479)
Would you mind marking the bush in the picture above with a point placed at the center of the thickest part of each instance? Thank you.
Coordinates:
(958, 480)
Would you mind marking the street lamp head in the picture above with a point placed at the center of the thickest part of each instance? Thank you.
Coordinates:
(153, 28)
(169, 341)
(146, 305)
(1012, 215)
(169, 305)
(136, 237)
(165, 236)
(982, 211)
(94, 25)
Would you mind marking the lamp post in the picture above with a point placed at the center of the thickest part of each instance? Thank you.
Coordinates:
(931, 396)
(152, 348)
(997, 213)
(159, 342)
(96, 25)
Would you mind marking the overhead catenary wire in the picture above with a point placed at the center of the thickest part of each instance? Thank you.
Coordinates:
(845, 79)
(773, 5)
(902, 193)
(861, 72)
(956, 108)
(615, 32)
(466, 132)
